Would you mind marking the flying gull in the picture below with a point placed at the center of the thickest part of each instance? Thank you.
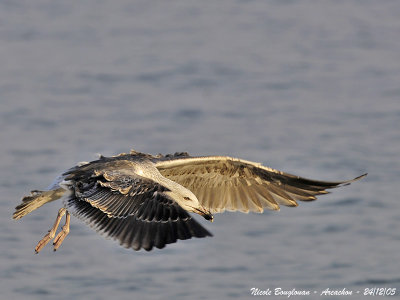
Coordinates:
(144, 201)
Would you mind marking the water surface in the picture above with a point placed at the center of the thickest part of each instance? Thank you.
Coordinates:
(311, 88)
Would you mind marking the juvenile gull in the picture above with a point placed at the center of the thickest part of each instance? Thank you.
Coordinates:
(144, 201)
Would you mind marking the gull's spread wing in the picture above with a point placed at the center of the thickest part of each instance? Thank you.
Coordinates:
(127, 207)
(224, 183)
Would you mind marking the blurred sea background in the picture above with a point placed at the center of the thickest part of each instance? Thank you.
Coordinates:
(307, 87)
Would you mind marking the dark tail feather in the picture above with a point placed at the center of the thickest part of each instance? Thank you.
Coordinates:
(35, 200)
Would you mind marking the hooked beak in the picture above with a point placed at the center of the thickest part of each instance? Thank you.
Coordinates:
(205, 214)
(209, 217)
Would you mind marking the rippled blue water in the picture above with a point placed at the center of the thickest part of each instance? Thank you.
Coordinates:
(308, 87)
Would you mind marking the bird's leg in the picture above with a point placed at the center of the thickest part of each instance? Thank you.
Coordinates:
(63, 233)
(52, 231)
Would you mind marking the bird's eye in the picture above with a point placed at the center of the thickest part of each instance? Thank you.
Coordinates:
(186, 198)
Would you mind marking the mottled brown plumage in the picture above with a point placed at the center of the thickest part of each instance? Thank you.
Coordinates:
(144, 201)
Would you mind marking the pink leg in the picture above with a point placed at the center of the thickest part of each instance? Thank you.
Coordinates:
(63, 233)
(52, 231)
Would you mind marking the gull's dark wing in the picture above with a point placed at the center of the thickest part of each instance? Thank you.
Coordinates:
(225, 183)
(127, 207)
